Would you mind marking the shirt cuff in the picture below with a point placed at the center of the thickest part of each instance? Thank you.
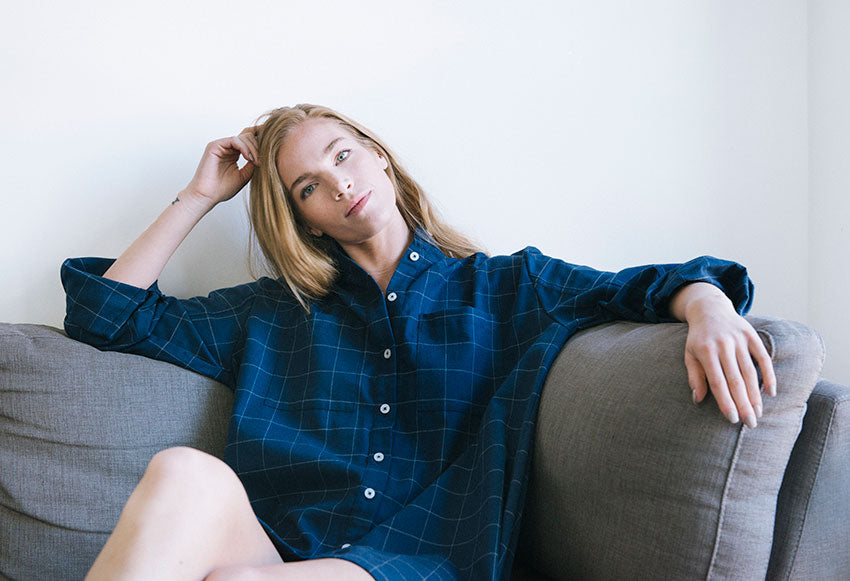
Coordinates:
(97, 308)
(729, 277)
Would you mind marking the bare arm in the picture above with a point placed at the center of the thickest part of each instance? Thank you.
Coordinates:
(217, 179)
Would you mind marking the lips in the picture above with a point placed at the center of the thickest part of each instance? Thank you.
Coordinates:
(358, 204)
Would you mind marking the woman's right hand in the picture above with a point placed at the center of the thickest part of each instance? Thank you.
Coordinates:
(218, 177)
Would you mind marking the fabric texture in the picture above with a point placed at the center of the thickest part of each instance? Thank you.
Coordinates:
(621, 449)
(393, 431)
(813, 517)
(77, 429)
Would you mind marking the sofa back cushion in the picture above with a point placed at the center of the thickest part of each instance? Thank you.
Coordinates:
(75, 424)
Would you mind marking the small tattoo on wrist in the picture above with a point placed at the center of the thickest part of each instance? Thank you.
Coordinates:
(177, 199)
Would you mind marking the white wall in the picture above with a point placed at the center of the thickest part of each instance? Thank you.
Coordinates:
(829, 180)
(608, 133)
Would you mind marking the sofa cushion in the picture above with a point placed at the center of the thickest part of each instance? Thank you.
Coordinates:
(620, 448)
(77, 424)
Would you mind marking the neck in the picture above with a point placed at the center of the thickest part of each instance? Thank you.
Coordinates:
(380, 255)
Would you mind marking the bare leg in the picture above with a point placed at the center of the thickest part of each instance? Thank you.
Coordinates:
(188, 516)
(335, 569)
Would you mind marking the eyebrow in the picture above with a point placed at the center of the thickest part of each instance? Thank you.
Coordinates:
(304, 176)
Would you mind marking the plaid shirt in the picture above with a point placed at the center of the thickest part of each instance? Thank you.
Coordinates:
(393, 430)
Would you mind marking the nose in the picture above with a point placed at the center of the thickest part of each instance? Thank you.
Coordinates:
(344, 186)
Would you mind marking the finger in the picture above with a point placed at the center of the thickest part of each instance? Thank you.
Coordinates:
(251, 139)
(226, 148)
(751, 378)
(762, 357)
(737, 386)
(246, 172)
(717, 383)
(244, 148)
(255, 149)
(696, 378)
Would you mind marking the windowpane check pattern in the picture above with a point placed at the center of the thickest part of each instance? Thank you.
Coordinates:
(390, 429)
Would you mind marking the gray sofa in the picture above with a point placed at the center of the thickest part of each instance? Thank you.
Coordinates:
(630, 479)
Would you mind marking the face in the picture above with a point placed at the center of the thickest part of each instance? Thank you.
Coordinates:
(338, 186)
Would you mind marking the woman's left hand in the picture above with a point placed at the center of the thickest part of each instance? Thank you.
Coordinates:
(720, 349)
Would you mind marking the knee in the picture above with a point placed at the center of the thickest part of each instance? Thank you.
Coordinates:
(187, 471)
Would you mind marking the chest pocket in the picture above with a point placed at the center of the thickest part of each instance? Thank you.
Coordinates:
(456, 360)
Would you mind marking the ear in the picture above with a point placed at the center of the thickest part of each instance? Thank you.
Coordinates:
(383, 160)
(314, 232)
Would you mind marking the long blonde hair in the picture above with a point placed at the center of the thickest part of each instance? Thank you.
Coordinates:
(305, 261)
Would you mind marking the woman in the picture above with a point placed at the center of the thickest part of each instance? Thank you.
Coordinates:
(385, 383)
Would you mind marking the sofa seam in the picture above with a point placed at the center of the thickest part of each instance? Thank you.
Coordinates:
(723, 502)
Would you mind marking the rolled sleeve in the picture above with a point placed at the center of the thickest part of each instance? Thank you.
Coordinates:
(96, 308)
(587, 297)
(729, 277)
(201, 334)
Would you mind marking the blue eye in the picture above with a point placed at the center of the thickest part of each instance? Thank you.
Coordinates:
(343, 154)
(307, 191)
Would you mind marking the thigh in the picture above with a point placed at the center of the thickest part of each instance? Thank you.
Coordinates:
(328, 568)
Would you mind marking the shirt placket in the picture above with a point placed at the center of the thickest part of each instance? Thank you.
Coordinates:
(382, 400)
(379, 403)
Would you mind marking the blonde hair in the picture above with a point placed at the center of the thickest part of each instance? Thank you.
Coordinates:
(305, 261)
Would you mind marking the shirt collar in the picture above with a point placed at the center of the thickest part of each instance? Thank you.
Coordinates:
(419, 256)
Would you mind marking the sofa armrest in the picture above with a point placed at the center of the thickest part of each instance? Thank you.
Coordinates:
(630, 479)
(813, 515)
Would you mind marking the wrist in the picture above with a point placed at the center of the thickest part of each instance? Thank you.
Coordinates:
(196, 204)
(695, 299)
(705, 305)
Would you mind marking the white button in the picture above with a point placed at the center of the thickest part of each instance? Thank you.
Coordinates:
(388, 353)
(345, 546)
(414, 256)
(369, 493)
(391, 297)
(379, 456)
(385, 408)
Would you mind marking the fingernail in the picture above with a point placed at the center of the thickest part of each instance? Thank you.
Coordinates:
(733, 417)
(251, 157)
(694, 396)
(772, 390)
(750, 422)
(758, 410)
